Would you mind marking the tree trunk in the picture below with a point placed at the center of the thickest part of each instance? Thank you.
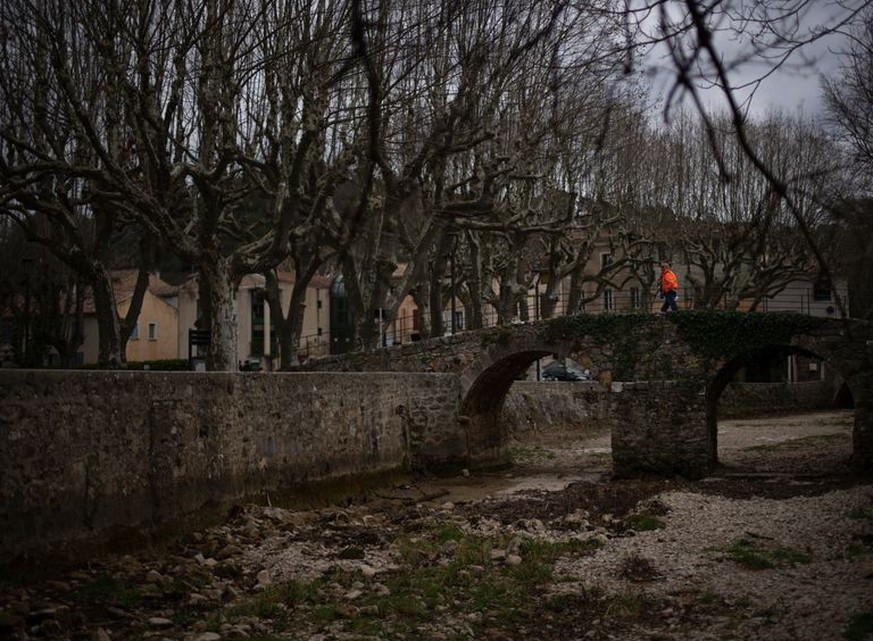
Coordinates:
(110, 355)
(436, 302)
(288, 326)
(474, 285)
(218, 296)
(422, 310)
(129, 322)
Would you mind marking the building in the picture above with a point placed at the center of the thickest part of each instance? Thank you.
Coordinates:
(257, 344)
(155, 335)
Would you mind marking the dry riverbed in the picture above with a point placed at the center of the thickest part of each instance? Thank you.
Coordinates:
(778, 545)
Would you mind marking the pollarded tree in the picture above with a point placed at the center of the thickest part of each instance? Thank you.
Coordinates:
(214, 104)
(739, 241)
(775, 34)
(59, 96)
(437, 77)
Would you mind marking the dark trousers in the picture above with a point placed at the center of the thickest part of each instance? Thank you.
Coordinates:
(669, 302)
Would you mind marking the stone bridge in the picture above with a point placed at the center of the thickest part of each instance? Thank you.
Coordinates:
(666, 375)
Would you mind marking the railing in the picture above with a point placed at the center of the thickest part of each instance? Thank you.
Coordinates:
(404, 330)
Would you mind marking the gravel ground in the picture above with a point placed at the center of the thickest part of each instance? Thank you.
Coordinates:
(777, 545)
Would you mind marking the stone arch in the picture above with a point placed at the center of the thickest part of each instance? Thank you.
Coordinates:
(847, 346)
(805, 345)
(484, 386)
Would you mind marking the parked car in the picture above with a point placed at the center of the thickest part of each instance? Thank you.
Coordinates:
(559, 372)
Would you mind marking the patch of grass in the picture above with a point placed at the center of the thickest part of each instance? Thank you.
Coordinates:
(707, 598)
(860, 627)
(183, 584)
(754, 556)
(860, 513)
(275, 602)
(105, 588)
(769, 616)
(444, 567)
(323, 614)
(857, 549)
(531, 454)
(796, 443)
(644, 521)
(626, 607)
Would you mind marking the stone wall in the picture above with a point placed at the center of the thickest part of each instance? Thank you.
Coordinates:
(744, 399)
(659, 428)
(533, 407)
(88, 455)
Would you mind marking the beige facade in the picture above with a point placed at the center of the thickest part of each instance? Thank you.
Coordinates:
(156, 334)
(256, 338)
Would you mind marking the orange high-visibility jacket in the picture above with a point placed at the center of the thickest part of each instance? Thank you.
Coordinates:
(669, 282)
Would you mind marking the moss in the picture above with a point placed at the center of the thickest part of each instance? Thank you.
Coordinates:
(729, 334)
(601, 328)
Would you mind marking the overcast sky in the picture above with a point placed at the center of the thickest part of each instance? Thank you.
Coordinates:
(793, 87)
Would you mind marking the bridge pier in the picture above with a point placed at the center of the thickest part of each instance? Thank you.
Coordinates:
(660, 429)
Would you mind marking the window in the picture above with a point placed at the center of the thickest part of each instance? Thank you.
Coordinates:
(821, 293)
(153, 331)
(607, 300)
(134, 333)
(636, 300)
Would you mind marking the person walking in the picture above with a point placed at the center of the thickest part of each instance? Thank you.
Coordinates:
(669, 289)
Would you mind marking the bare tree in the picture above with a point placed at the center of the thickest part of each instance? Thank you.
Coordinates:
(738, 239)
(60, 86)
(849, 98)
(776, 34)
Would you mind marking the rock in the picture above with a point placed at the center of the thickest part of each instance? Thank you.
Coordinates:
(102, 635)
(347, 611)
(368, 572)
(263, 578)
(513, 547)
(118, 612)
(196, 599)
(208, 636)
(228, 551)
(159, 622)
(153, 576)
(351, 552)
(513, 559)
